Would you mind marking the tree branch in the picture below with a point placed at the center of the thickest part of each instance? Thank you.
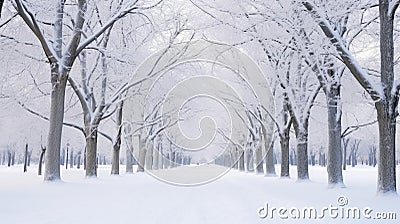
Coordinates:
(351, 63)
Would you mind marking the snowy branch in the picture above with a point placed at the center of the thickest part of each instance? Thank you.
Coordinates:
(8, 20)
(129, 9)
(351, 63)
(393, 5)
(30, 20)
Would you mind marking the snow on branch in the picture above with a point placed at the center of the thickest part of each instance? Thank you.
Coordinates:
(393, 5)
(31, 21)
(311, 100)
(132, 8)
(360, 74)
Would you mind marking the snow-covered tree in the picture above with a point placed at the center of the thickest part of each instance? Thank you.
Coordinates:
(61, 55)
(384, 93)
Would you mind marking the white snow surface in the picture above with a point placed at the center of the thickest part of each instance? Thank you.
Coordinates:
(139, 198)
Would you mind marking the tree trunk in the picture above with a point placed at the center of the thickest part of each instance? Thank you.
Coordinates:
(156, 157)
(29, 157)
(142, 155)
(302, 153)
(66, 159)
(172, 159)
(241, 160)
(115, 159)
(284, 141)
(269, 159)
(26, 158)
(71, 161)
(344, 158)
(249, 160)
(160, 157)
(259, 158)
(129, 161)
(91, 150)
(52, 168)
(387, 107)
(78, 160)
(335, 177)
(166, 161)
(41, 160)
(149, 156)
(117, 142)
(4, 158)
(12, 158)
(62, 157)
(9, 158)
(386, 158)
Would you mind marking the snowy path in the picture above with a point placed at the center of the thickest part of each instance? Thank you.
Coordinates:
(139, 198)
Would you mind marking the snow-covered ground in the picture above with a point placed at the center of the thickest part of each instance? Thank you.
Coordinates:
(234, 198)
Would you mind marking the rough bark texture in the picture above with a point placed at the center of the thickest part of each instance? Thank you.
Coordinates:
(386, 101)
(386, 159)
(335, 177)
(269, 159)
(387, 107)
(52, 168)
(91, 151)
(117, 141)
(302, 151)
(115, 160)
(284, 141)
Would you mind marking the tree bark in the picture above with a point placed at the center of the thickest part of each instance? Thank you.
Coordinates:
(66, 159)
(249, 160)
(335, 177)
(387, 107)
(26, 158)
(52, 168)
(149, 156)
(344, 158)
(302, 151)
(259, 158)
(269, 159)
(386, 156)
(241, 160)
(91, 151)
(9, 158)
(117, 142)
(41, 160)
(284, 141)
(71, 161)
(386, 101)
(142, 155)
(78, 160)
(129, 161)
(156, 158)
